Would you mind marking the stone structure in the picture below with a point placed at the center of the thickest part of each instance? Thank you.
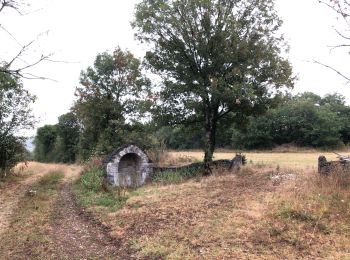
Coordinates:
(232, 165)
(326, 167)
(128, 166)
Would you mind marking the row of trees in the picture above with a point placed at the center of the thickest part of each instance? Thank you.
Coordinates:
(221, 65)
(110, 101)
(219, 62)
(305, 120)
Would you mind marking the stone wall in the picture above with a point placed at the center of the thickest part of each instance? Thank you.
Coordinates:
(326, 167)
(128, 166)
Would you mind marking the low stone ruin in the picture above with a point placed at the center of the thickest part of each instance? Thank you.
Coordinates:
(128, 166)
(232, 165)
(327, 167)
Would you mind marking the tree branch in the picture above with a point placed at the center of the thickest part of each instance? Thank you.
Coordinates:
(342, 35)
(335, 70)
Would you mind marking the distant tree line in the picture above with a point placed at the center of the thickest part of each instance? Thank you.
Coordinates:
(305, 120)
(110, 101)
(222, 78)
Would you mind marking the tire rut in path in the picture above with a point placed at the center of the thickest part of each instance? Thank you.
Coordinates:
(75, 236)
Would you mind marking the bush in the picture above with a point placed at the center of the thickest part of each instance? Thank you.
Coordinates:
(92, 190)
(181, 175)
(12, 151)
(93, 179)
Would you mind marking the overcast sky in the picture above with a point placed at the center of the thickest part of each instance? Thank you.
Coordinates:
(75, 31)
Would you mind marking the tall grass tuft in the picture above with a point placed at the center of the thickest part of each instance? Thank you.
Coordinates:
(181, 175)
(91, 189)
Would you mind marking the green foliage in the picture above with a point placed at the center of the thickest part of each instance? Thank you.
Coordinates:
(92, 179)
(111, 92)
(305, 120)
(181, 175)
(68, 131)
(91, 190)
(180, 137)
(15, 116)
(216, 59)
(45, 142)
(12, 151)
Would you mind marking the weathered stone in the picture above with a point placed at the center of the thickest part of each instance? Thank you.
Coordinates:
(128, 166)
(325, 167)
(237, 162)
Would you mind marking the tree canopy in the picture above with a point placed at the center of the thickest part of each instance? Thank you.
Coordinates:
(215, 57)
(15, 116)
(109, 95)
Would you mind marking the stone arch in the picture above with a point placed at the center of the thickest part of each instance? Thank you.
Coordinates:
(128, 166)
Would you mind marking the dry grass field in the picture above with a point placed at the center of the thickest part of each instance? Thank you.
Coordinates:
(249, 215)
(300, 160)
(276, 207)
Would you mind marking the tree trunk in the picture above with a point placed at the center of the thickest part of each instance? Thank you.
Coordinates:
(209, 144)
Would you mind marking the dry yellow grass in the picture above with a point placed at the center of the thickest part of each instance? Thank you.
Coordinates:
(290, 160)
(25, 176)
(25, 218)
(244, 216)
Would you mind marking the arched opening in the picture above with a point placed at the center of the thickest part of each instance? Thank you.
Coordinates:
(129, 173)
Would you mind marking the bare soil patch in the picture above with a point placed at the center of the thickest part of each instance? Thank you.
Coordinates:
(75, 235)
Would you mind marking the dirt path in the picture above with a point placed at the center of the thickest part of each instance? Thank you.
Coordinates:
(72, 233)
(12, 192)
(77, 237)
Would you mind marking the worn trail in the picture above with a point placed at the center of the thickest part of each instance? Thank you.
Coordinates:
(11, 193)
(75, 236)
(71, 233)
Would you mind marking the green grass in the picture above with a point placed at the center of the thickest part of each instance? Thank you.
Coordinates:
(50, 180)
(91, 190)
(179, 176)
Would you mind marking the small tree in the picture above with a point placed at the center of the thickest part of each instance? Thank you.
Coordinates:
(215, 57)
(15, 116)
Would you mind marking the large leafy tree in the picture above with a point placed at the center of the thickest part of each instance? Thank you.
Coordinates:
(216, 58)
(110, 94)
(15, 116)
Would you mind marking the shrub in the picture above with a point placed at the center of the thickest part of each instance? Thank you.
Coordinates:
(181, 175)
(92, 190)
(93, 179)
